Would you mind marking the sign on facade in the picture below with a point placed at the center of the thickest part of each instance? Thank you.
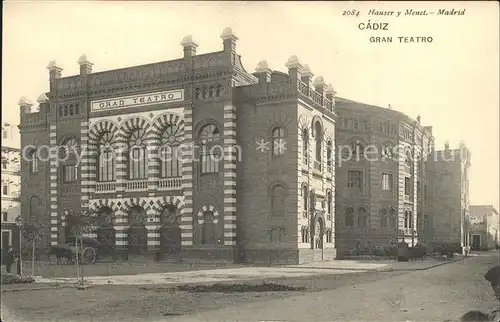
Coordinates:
(138, 100)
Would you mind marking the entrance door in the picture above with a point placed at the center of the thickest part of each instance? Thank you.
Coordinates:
(6, 242)
(476, 242)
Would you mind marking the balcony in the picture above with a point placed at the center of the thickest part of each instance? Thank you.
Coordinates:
(105, 187)
(137, 185)
(166, 184)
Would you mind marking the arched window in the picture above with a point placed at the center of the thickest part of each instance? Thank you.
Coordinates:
(66, 111)
(205, 92)
(170, 153)
(208, 229)
(106, 162)
(33, 161)
(410, 224)
(319, 140)
(218, 90)
(407, 219)
(278, 196)
(357, 148)
(362, 217)
(305, 234)
(349, 217)
(68, 152)
(383, 218)
(305, 146)
(329, 202)
(210, 156)
(211, 91)
(305, 197)
(197, 93)
(329, 152)
(137, 154)
(393, 218)
(408, 159)
(387, 152)
(278, 141)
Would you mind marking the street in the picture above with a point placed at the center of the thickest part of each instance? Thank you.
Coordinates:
(436, 294)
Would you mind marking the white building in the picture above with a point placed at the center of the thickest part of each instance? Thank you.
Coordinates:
(11, 182)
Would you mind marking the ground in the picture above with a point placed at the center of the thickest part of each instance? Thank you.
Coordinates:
(435, 294)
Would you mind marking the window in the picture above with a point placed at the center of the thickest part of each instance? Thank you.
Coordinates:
(5, 190)
(329, 202)
(426, 221)
(410, 224)
(137, 155)
(305, 146)
(305, 197)
(209, 158)
(106, 163)
(33, 161)
(5, 164)
(209, 229)
(329, 150)
(362, 217)
(386, 152)
(69, 149)
(278, 141)
(407, 186)
(319, 139)
(277, 235)
(383, 218)
(354, 179)
(357, 148)
(386, 181)
(329, 237)
(170, 152)
(305, 234)
(5, 216)
(70, 173)
(278, 200)
(393, 218)
(5, 134)
(408, 159)
(349, 217)
(407, 219)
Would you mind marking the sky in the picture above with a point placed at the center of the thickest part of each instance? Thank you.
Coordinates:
(452, 83)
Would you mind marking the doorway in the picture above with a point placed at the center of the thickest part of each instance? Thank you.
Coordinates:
(476, 242)
(6, 239)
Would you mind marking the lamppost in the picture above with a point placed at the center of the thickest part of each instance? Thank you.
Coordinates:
(19, 222)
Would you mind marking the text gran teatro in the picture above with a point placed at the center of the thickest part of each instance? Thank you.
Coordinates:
(217, 195)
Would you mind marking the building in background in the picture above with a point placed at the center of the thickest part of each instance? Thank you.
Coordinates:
(484, 227)
(11, 183)
(450, 194)
(382, 180)
(195, 152)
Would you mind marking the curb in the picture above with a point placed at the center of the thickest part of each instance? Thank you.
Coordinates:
(51, 287)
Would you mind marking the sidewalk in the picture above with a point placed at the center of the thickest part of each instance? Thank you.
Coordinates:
(379, 265)
(205, 276)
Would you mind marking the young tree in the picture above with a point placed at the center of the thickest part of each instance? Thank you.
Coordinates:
(81, 223)
(32, 231)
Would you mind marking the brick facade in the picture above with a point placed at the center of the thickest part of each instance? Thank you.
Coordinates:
(246, 207)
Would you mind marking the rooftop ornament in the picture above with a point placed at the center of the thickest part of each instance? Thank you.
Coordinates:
(262, 66)
(228, 33)
(42, 99)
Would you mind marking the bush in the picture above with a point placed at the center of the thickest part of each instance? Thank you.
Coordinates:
(9, 278)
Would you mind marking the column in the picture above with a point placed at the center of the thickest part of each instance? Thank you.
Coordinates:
(153, 144)
(87, 172)
(121, 162)
(231, 151)
(54, 229)
(121, 237)
(186, 223)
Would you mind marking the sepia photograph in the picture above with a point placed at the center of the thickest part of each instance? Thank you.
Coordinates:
(250, 161)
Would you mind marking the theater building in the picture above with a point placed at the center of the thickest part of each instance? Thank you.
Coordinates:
(382, 176)
(194, 152)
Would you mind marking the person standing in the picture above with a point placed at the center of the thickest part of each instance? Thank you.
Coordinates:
(9, 259)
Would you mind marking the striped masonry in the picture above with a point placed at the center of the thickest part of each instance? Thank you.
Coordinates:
(231, 151)
(90, 161)
(121, 224)
(85, 171)
(154, 144)
(54, 224)
(186, 223)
